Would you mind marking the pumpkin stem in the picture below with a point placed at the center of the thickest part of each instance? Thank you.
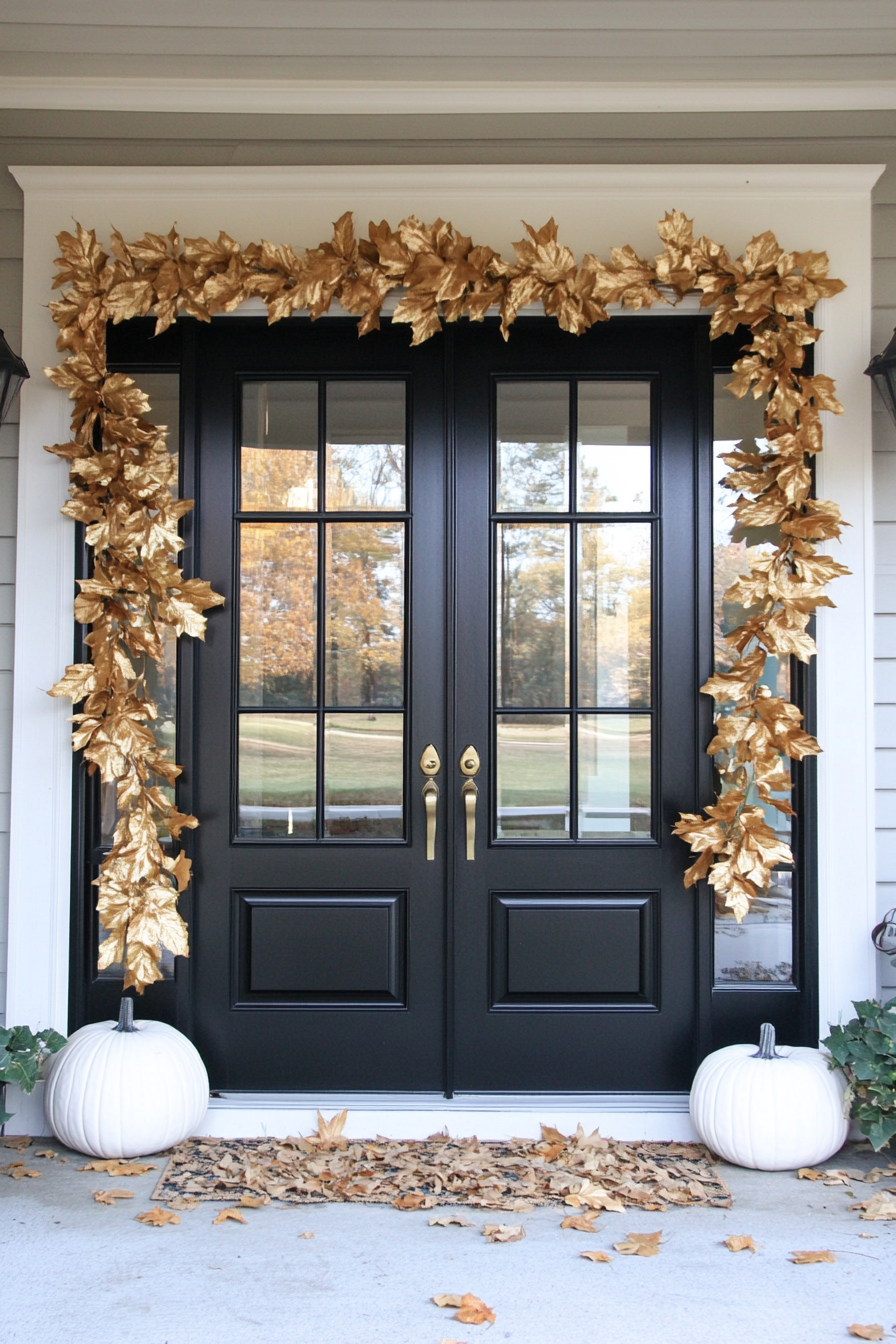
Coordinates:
(766, 1043)
(126, 1016)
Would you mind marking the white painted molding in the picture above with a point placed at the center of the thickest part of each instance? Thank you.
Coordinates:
(808, 206)
(424, 98)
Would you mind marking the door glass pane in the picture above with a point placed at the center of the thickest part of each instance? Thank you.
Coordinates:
(277, 774)
(760, 950)
(614, 776)
(278, 613)
(613, 452)
(278, 453)
(533, 777)
(533, 447)
(363, 776)
(365, 613)
(365, 446)
(614, 614)
(531, 614)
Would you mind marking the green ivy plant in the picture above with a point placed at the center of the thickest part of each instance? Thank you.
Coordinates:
(865, 1049)
(22, 1051)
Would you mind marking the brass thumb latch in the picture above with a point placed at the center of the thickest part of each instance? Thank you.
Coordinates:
(430, 764)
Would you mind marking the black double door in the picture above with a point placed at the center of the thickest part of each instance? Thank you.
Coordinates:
(448, 713)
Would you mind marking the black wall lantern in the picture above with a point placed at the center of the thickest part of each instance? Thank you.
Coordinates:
(13, 373)
(882, 372)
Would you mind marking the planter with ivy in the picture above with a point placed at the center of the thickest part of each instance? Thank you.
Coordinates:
(865, 1050)
(22, 1055)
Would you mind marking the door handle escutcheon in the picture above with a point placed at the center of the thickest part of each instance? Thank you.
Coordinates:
(430, 801)
(470, 794)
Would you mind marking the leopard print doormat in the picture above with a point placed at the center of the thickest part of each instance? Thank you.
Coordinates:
(581, 1170)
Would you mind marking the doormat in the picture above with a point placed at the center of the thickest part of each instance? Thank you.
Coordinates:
(582, 1170)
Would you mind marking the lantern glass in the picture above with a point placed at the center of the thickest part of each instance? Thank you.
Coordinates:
(12, 374)
(882, 372)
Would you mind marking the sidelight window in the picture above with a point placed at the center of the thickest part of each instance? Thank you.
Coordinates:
(574, 527)
(322, 601)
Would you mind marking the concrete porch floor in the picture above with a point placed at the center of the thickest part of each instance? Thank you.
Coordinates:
(75, 1270)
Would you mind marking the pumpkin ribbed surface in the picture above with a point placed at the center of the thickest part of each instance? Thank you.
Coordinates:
(770, 1114)
(125, 1093)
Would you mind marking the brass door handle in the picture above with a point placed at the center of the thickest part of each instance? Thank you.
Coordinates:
(469, 766)
(430, 764)
(470, 794)
(430, 801)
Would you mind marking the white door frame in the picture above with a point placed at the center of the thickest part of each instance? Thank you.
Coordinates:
(824, 206)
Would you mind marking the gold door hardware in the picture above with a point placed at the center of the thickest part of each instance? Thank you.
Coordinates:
(469, 765)
(430, 764)
(469, 762)
(470, 794)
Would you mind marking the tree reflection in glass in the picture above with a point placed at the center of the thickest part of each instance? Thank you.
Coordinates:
(278, 453)
(364, 635)
(365, 446)
(533, 447)
(613, 450)
(614, 614)
(533, 638)
(278, 613)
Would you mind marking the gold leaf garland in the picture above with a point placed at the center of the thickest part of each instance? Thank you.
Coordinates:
(121, 476)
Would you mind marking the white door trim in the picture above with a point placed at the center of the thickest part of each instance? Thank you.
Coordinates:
(817, 206)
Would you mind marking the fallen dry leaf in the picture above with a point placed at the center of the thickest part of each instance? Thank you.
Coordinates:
(329, 1132)
(157, 1217)
(114, 1166)
(639, 1243)
(809, 1174)
(583, 1222)
(813, 1258)
(46, 1152)
(229, 1215)
(878, 1174)
(254, 1201)
(451, 1220)
(17, 1170)
(471, 1310)
(593, 1197)
(413, 1200)
(866, 1331)
(741, 1244)
(504, 1231)
(183, 1202)
(599, 1257)
(306, 1236)
(878, 1208)
(17, 1141)
(110, 1196)
(868, 1236)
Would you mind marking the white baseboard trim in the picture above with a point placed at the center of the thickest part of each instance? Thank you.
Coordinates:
(621, 1115)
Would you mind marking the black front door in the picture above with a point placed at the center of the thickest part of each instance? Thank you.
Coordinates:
(460, 586)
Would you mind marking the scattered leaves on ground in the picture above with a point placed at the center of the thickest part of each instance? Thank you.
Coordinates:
(504, 1231)
(866, 1331)
(114, 1166)
(589, 1172)
(306, 1236)
(451, 1220)
(329, 1132)
(183, 1202)
(813, 1258)
(809, 1174)
(46, 1152)
(583, 1222)
(878, 1208)
(157, 1217)
(741, 1244)
(598, 1257)
(110, 1196)
(879, 1173)
(639, 1243)
(471, 1310)
(254, 1201)
(230, 1215)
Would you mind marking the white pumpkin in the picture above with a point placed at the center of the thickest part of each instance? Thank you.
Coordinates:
(767, 1109)
(125, 1089)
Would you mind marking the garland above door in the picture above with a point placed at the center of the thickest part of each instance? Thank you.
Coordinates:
(121, 476)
